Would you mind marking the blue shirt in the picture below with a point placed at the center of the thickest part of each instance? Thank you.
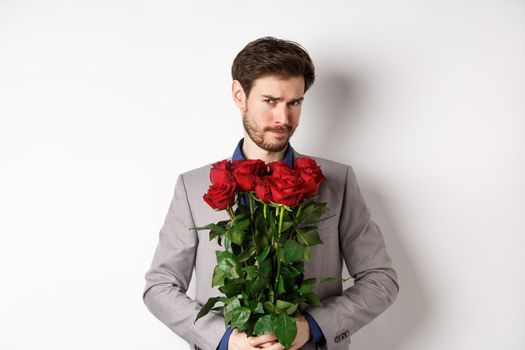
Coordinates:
(317, 334)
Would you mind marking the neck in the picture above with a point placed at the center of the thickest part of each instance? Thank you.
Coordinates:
(251, 151)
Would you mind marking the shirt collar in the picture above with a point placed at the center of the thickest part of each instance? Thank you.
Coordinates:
(288, 156)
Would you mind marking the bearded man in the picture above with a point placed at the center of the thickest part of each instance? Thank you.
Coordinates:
(270, 79)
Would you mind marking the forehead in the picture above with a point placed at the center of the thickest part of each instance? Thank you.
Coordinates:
(278, 86)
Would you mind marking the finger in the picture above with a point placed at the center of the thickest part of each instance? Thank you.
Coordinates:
(268, 344)
(261, 339)
(239, 341)
(276, 346)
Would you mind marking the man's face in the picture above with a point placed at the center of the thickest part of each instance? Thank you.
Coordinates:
(271, 112)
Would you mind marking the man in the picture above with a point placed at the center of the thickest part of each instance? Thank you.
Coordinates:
(270, 78)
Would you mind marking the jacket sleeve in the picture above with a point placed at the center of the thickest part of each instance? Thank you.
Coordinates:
(170, 273)
(375, 280)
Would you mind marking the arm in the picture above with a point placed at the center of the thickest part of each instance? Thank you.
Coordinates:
(168, 278)
(375, 280)
(316, 333)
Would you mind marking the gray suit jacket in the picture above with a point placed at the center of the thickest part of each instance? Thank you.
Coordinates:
(348, 233)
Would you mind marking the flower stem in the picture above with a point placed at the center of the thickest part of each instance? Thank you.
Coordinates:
(230, 213)
(252, 223)
(251, 204)
(281, 216)
(299, 211)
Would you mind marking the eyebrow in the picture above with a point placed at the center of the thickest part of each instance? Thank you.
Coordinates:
(280, 98)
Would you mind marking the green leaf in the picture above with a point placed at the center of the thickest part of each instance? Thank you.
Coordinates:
(290, 271)
(235, 235)
(257, 286)
(283, 305)
(263, 254)
(292, 309)
(217, 231)
(241, 222)
(308, 235)
(299, 265)
(286, 225)
(230, 305)
(307, 286)
(224, 223)
(268, 307)
(227, 263)
(261, 234)
(272, 225)
(307, 253)
(259, 308)
(218, 277)
(247, 254)
(271, 295)
(239, 317)
(236, 232)
(280, 285)
(206, 308)
(311, 212)
(251, 272)
(211, 227)
(233, 288)
(285, 330)
(265, 269)
(292, 251)
(264, 325)
(313, 299)
(256, 306)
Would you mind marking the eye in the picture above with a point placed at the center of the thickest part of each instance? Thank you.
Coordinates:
(296, 103)
(269, 101)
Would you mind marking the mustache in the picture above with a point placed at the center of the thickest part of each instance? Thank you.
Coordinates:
(284, 127)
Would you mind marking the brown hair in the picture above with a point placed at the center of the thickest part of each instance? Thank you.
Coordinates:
(272, 56)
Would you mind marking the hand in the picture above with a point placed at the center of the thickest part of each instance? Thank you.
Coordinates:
(240, 341)
(268, 341)
(303, 332)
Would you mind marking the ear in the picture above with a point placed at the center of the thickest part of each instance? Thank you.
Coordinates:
(238, 95)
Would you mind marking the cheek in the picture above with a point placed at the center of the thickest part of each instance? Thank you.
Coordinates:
(261, 114)
(294, 116)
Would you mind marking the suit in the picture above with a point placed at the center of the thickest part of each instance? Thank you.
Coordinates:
(348, 233)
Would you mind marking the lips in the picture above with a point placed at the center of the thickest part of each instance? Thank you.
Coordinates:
(280, 130)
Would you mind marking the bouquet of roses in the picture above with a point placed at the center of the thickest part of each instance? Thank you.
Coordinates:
(266, 242)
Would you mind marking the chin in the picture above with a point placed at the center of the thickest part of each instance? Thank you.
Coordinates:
(275, 146)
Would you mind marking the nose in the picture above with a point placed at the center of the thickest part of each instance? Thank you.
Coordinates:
(282, 114)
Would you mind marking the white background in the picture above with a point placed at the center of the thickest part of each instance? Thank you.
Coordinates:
(104, 103)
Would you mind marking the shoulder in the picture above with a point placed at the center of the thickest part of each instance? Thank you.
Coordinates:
(329, 164)
(198, 176)
(331, 169)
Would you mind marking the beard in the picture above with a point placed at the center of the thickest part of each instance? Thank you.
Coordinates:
(260, 138)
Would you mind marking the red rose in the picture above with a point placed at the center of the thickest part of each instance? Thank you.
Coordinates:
(247, 171)
(220, 172)
(262, 189)
(280, 170)
(286, 186)
(311, 173)
(221, 193)
(220, 196)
